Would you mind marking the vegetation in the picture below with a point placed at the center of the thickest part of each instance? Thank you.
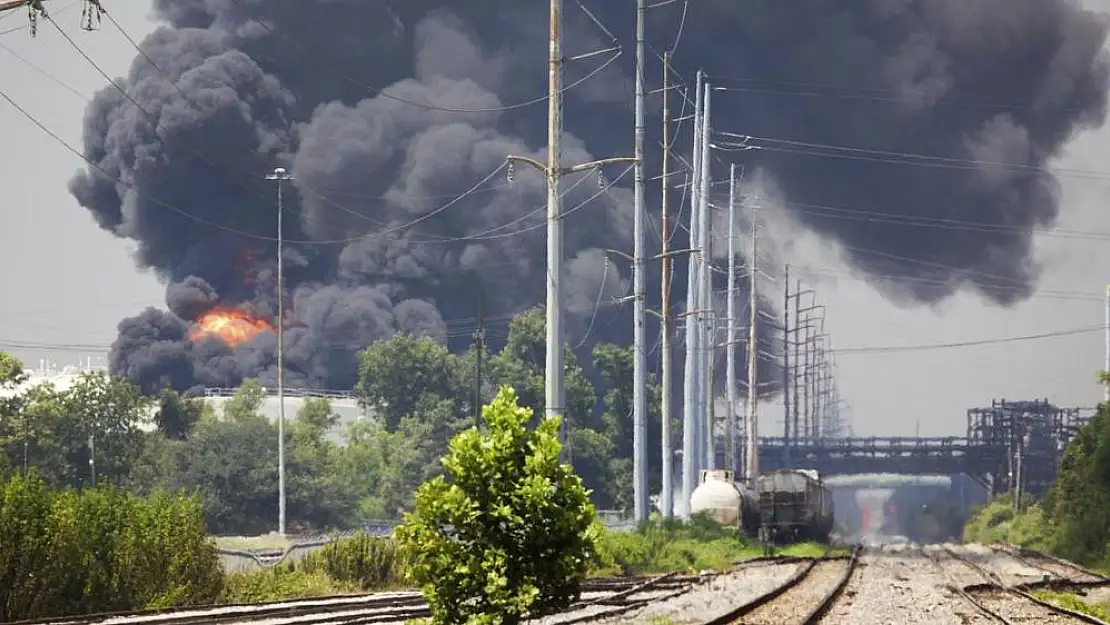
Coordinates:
(512, 534)
(338, 475)
(1075, 603)
(65, 552)
(1073, 519)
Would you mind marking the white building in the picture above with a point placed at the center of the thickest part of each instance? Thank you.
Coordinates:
(343, 403)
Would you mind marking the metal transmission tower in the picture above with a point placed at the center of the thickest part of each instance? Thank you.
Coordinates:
(639, 349)
(730, 343)
(280, 176)
(690, 420)
(554, 171)
(91, 12)
(705, 308)
(666, 497)
(752, 424)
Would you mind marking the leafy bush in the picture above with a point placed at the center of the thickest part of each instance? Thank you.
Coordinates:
(671, 545)
(512, 533)
(279, 583)
(100, 550)
(998, 522)
(365, 561)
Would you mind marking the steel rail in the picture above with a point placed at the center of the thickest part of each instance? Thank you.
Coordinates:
(350, 609)
(736, 614)
(995, 584)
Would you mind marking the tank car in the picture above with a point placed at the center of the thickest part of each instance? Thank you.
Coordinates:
(794, 505)
(726, 501)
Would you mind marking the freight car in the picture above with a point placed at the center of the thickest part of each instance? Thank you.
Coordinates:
(726, 501)
(794, 505)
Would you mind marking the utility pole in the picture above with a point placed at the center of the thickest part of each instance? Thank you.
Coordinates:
(786, 364)
(730, 353)
(1106, 366)
(554, 390)
(705, 309)
(280, 176)
(666, 498)
(690, 422)
(639, 350)
(753, 360)
(479, 347)
(798, 370)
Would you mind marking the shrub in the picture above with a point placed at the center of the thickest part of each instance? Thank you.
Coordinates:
(663, 546)
(365, 561)
(279, 583)
(75, 552)
(512, 532)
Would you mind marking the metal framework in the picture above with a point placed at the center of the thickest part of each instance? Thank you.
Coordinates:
(1011, 446)
(1030, 436)
(91, 12)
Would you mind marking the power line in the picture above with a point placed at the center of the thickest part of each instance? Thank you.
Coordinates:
(893, 96)
(319, 62)
(482, 236)
(997, 341)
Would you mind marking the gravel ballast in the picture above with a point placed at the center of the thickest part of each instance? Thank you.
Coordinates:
(712, 599)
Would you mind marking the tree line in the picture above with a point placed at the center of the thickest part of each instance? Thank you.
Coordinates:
(102, 431)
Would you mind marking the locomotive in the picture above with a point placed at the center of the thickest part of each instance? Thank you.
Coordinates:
(794, 505)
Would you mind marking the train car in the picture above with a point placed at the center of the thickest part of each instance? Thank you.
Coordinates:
(726, 501)
(794, 505)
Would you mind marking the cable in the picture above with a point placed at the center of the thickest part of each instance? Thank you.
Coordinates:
(28, 25)
(38, 70)
(243, 233)
(897, 97)
(997, 341)
(922, 160)
(383, 93)
(597, 306)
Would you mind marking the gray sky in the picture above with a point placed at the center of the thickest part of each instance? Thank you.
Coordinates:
(58, 258)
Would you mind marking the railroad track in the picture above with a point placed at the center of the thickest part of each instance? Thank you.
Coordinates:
(610, 597)
(803, 599)
(1065, 573)
(1011, 604)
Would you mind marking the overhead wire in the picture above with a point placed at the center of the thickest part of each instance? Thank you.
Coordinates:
(383, 92)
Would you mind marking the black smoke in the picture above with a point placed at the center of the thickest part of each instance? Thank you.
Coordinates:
(243, 86)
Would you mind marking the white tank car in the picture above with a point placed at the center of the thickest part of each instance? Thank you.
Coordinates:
(725, 501)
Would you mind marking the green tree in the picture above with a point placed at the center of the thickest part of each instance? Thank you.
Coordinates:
(177, 415)
(317, 497)
(395, 374)
(247, 402)
(512, 532)
(107, 412)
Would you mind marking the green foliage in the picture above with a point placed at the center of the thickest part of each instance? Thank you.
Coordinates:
(665, 545)
(511, 533)
(1074, 603)
(1073, 520)
(364, 561)
(420, 396)
(280, 582)
(64, 552)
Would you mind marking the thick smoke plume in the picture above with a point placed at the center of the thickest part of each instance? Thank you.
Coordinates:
(242, 86)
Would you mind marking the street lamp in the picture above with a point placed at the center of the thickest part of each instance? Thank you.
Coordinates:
(280, 176)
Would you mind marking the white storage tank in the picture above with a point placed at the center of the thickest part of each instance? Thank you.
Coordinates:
(717, 496)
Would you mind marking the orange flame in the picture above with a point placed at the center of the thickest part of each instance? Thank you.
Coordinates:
(229, 325)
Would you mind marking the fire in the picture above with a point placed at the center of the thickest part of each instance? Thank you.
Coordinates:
(229, 325)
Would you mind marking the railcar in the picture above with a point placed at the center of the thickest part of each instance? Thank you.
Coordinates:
(727, 501)
(794, 505)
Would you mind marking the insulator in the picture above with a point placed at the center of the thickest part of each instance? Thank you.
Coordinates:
(509, 173)
(600, 178)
